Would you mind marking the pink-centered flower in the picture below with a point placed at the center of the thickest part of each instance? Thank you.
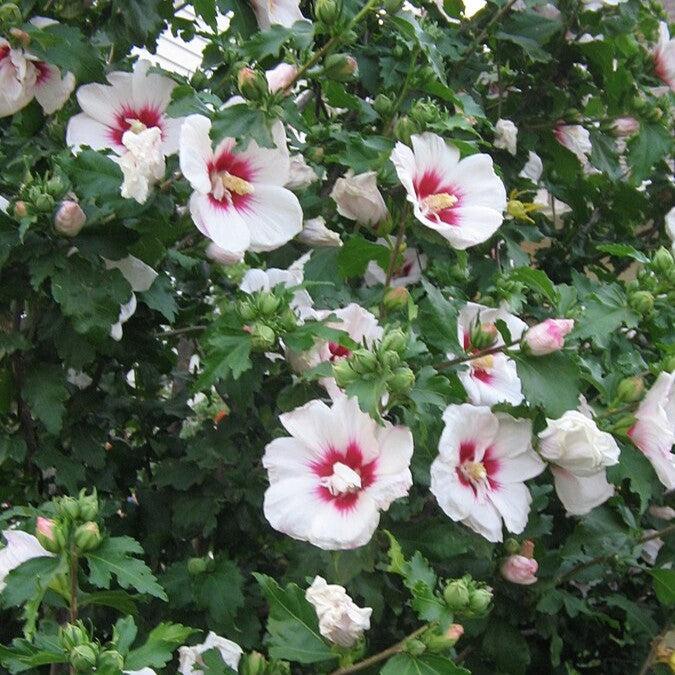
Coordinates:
(478, 477)
(132, 102)
(462, 200)
(664, 56)
(24, 76)
(239, 200)
(518, 569)
(282, 12)
(335, 473)
(548, 336)
(407, 273)
(492, 378)
(654, 429)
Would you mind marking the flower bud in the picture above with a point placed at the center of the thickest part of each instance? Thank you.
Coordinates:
(262, 337)
(383, 105)
(87, 536)
(642, 302)
(70, 507)
(390, 359)
(83, 657)
(404, 128)
(109, 662)
(343, 373)
(519, 569)
(511, 545)
(88, 505)
(10, 13)
(415, 647)
(253, 664)
(268, 303)
(363, 361)
(44, 202)
(44, 531)
(402, 381)
(547, 337)
(340, 67)
(456, 595)
(396, 340)
(73, 634)
(480, 600)
(55, 186)
(662, 260)
(326, 11)
(20, 209)
(69, 219)
(630, 389)
(396, 298)
(196, 566)
(483, 335)
(625, 126)
(246, 309)
(454, 632)
(252, 84)
(668, 363)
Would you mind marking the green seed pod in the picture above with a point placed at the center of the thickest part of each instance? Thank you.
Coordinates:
(396, 340)
(87, 536)
(642, 302)
(480, 599)
(630, 389)
(456, 594)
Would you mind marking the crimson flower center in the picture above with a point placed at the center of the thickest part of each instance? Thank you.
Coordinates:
(136, 120)
(478, 474)
(337, 351)
(437, 200)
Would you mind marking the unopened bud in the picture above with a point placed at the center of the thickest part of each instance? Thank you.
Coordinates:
(415, 647)
(396, 340)
(69, 507)
(663, 260)
(45, 533)
(383, 105)
(404, 128)
(10, 13)
(511, 545)
(343, 373)
(252, 84)
(340, 67)
(87, 536)
(109, 662)
(396, 298)
(73, 634)
(363, 361)
(480, 600)
(483, 335)
(83, 657)
(20, 209)
(196, 566)
(247, 310)
(630, 389)
(268, 303)
(547, 337)
(456, 595)
(221, 415)
(69, 219)
(55, 186)
(88, 505)
(327, 11)
(44, 202)
(668, 364)
(625, 126)
(401, 381)
(253, 664)
(642, 302)
(262, 337)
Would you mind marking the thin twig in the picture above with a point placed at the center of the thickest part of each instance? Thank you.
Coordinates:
(181, 331)
(474, 356)
(394, 255)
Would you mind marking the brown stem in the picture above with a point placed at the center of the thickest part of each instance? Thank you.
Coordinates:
(394, 257)
(604, 558)
(380, 656)
(474, 355)
(181, 331)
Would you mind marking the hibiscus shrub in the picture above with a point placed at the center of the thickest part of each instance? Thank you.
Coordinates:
(351, 352)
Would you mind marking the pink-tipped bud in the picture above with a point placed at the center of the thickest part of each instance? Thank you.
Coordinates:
(548, 336)
(45, 531)
(69, 219)
(20, 209)
(396, 298)
(252, 84)
(625, 126)
(519, 569)
(281, 77)
(455, 632)
(483, 335)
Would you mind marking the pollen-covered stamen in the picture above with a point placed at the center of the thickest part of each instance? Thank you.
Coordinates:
(484, 362)
(224, 185)
(136, 126)
(343, 480)
(474, 471)
(438, 202)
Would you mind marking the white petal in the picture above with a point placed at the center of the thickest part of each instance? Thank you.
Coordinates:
(269, 166)
(513, 503)
(485, 520)
(139, 275)
(475, 224)
(579, 495)
(433, 154)
(222, 226)
(466, 423)
(84, 130)
(288, 457)
(171, 134)
(53, 91)
(195, 152)
(333, 529)
(454, 497)
(273, 218)
(478, 183)
(152, 90)
(103, 102)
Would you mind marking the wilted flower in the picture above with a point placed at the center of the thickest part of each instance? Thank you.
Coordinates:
(506, 135)
(664, 56)
(533, 168)
(358, 198)
(595, 5)
(340, 620)
(407, 273)
(315, 233)
(300, 174)
(654, 429)
(462, 200)
(579, 452)
(20, 548)
(478, 477)
(189, 657)
(143, 164)
(282, 12)
(239, 200)
(281, 76)
(576, 139)
(548, 336)
(69, 219)
(333, 475)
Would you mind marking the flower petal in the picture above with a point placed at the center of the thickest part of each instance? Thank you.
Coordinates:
(513, 503)
(273, 217)
(84, 130)
(222, 226)
(579, 495)
(195, 152)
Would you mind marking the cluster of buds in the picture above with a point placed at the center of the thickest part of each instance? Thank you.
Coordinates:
(198, 566)
(74, 526)
(384, 363)
(656, 280)
(256, 664)
(85, 655)
(467, 596)
(266, 315)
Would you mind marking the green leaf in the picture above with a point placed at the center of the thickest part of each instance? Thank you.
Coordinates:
(115, 557)
(159, 647)
(207, 10)
(220, 591)
(95, 175)
(638, 617)
(536, 280)
(438, 320)
(647, 148)
(29, 579)
(636, 468)
(664, 586)
(243, 123)
(357, 252)
(530, 31)
(269, 42)
(506, 647)
(369, 390)
(623, 251)
(292, 624)
(229, 356)
(427, 664)
(124, 634)
(551, 382)
(119, 600)
(46, 393)
(605, 311)
(23, 655)
(161, 296)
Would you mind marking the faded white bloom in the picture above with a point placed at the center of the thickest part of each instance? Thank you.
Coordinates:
(281, 76)
(189, 657)
(533, 168)
(315, 233)
(670, 228)
(340, 620)
(143, 164)
(506, 136)
(595, 5)
(358, 198)
(20, 548)
(300, 174)
(576, 139)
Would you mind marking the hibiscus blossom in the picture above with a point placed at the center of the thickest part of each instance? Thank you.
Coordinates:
(239, 200)
(24, 77)
(282, 12)
(492, 378)
(654, 428)
(463, 200)
(478, 475)
(333, 475)
(664, 56)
